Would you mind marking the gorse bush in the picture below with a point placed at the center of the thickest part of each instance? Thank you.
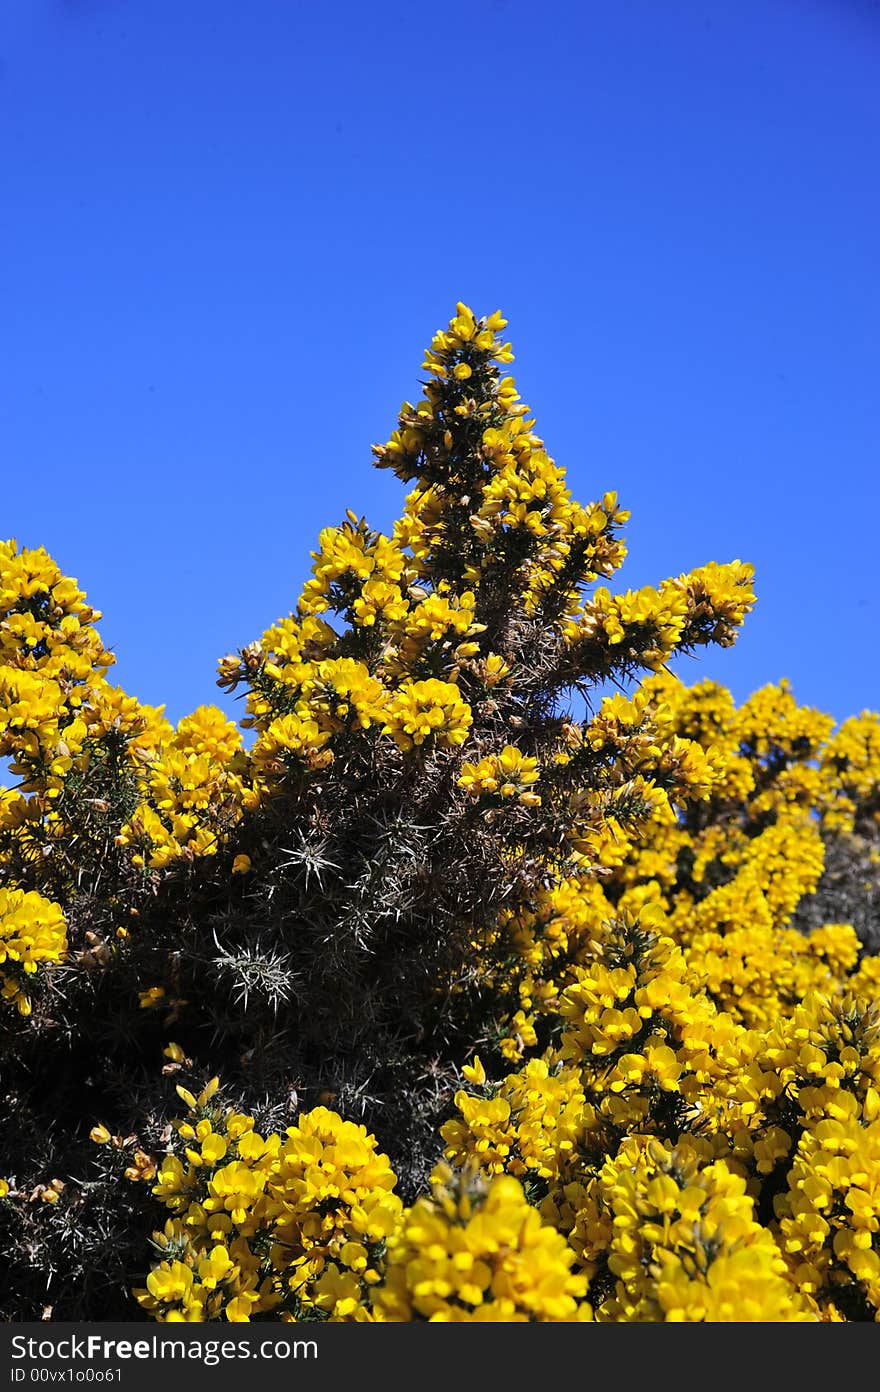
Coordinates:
(462, 990)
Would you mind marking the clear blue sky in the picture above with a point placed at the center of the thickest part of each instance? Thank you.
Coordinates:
(229, 229)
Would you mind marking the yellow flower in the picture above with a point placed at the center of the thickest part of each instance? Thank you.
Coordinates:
(215, 1267)
(170, 1281)
(337, 1292)
(475, 1072)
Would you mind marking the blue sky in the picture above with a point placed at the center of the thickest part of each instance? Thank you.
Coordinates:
(228, 230)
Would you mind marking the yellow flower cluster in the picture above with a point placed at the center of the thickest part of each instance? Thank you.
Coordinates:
(489, 514)
(718, 599)
(86, 755)
(32, 933)
(427, 710)
(850, 762)
(478, 1252)
(332, 1210)
(293, 1224)
(709, 1061)
(533, 1126)
(684, 1242)
(331, 696)
(510, 774)
(45, 624)
(642, 629)
(636, 736)
(830, 1212)
(194, 791)
(645, 626)
(438, 618)
(290, 743)
(517, 501)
